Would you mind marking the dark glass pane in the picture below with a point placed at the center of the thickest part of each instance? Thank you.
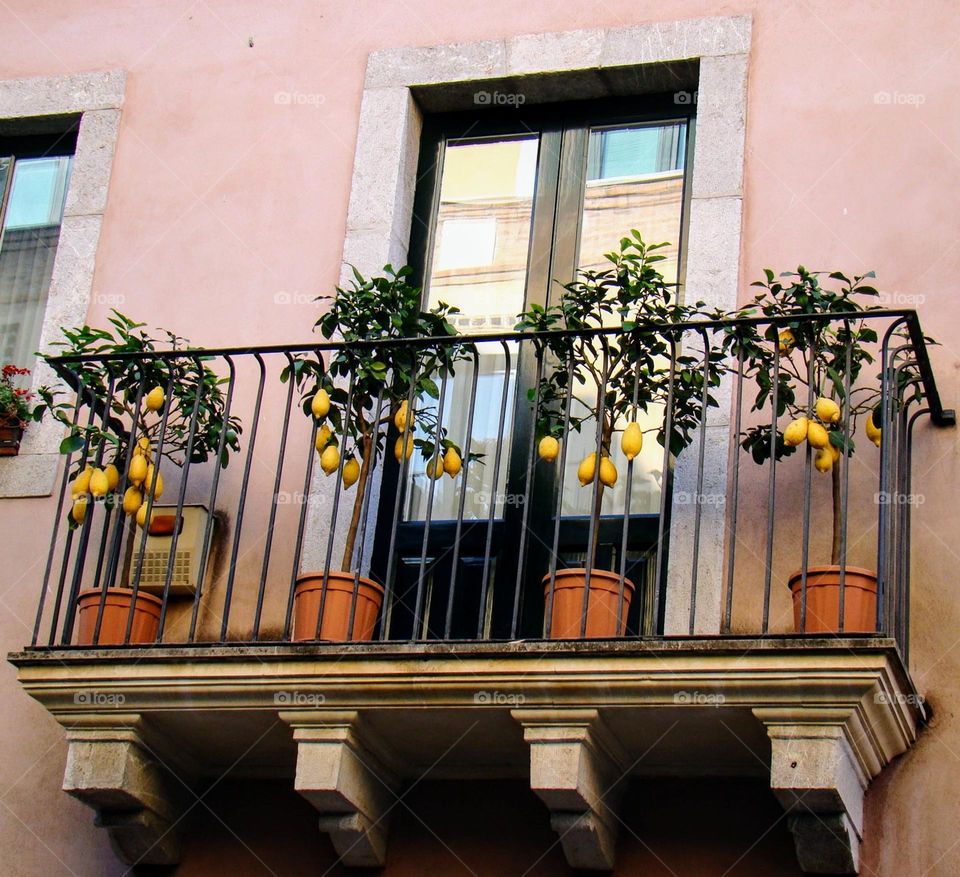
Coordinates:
(31, 231)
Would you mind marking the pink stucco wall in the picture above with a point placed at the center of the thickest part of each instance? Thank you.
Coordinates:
(223, 198)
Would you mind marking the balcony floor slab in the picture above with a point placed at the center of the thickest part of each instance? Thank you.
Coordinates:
(678, 707)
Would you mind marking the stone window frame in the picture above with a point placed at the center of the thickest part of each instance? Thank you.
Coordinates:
(703, 59)
(97, 98)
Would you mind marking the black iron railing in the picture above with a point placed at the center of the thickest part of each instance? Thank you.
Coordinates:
(694, 537)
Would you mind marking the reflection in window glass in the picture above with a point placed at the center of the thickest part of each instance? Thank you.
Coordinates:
(635, 180)
(31, 230)
(479, 260)
(480, 496)
(479, 264)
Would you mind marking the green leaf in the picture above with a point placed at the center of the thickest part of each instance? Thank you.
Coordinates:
(71, 444)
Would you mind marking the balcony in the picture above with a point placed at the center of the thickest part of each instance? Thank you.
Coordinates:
(456, 640)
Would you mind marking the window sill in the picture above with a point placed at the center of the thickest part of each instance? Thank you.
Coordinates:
(27, 475)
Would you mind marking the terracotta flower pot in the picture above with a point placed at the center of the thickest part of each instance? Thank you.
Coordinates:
(601, 608)
(10, 436)
(335, 626)
(113, 627)
(823, 600)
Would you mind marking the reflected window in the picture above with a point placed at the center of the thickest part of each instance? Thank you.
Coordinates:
(482, 229)
(634, 180)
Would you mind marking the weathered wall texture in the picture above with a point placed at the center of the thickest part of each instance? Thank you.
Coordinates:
(226, 215)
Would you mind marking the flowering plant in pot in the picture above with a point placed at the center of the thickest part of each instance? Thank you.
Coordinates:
(627, 376)
(16, 410)
(814, 362)
(366, 393)
(124, 418)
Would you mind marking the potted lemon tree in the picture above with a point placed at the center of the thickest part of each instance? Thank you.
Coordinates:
(618, 380)
(367, 391)
(815, 360)
(122, 438)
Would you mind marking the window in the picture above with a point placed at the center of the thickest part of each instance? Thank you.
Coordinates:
(34, 177)
(509, 206)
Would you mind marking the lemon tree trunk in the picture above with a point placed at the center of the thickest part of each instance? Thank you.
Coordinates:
(365, 469)
(835, 548)
(598, 487)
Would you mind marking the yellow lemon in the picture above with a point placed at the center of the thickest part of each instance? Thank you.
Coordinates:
(796, 432)
(823, 460)
(835, 451)
(79, 510)
(148, 482)
(330, 460)
(587, 469)
(138, 469)
(99, 483)
(351, 472)
(113, 476)
(403, 446)
(827, 410)
(631, 443)
(155, 399)
(452, 464)
(320, 404)
(873, 431)
(324, 434)
(81, 484)
(817, 436)
(435, 468)
(143, 446)
(400, 418)
(787, 341)
(548, 449)
(608, 472)
(132, 500)
(142, 519)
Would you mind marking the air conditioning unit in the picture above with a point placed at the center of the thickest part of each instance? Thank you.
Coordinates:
(186, 562)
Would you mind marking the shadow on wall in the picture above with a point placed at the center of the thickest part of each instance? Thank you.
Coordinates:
(493, 829)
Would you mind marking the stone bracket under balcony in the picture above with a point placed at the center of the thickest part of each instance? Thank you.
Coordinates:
(340, 770)
(822, 761)
(349, 726)
(111, 768)
(576, 768)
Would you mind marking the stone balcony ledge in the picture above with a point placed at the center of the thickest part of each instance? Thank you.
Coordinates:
(351, 723)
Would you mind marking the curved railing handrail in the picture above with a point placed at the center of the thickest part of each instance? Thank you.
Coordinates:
(938, 414)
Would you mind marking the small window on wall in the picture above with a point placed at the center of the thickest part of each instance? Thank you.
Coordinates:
(34, 177)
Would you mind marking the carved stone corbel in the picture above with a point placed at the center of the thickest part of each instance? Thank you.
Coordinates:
(341, 771)
(111, 769)
(822, 760)
(576, 768)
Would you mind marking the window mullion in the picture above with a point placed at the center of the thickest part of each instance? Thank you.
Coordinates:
(573, 168)
(540, 252)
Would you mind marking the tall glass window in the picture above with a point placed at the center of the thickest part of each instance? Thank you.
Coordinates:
(34, 191)
(478, 263)
(508, 208)
(634, 179)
